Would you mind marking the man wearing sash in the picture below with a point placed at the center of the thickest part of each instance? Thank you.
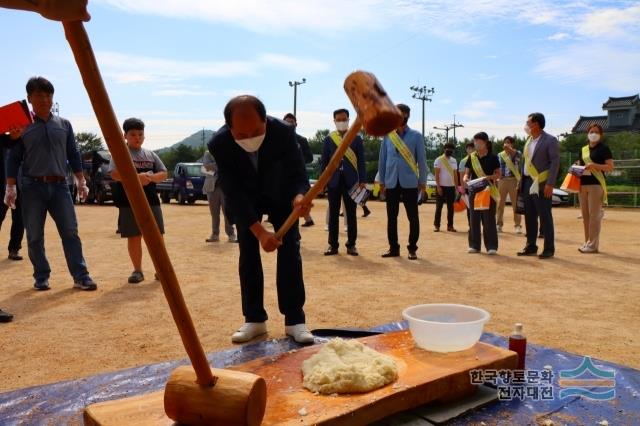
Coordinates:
(350, 173)
(597, 159)
(540, 170)
(403, 177)
(508, 183)
(445, 168)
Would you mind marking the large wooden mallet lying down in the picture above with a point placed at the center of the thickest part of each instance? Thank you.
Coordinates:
(375, 111)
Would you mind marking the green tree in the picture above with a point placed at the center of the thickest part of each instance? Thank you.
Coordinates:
(88, 142)
(315, 143)
(180, 154)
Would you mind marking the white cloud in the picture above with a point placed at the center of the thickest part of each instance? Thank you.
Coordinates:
(612, 23)
(558, 37)
(478, 109)
(153, 69)
(456, 21)
(182, 92)
(600, 65)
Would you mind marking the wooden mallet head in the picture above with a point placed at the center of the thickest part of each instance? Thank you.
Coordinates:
(379, 115)
(237, 399)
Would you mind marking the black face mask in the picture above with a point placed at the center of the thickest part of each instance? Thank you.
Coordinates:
(405, 120)
(448, 152)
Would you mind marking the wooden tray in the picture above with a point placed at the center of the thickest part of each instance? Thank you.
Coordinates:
(423, 377)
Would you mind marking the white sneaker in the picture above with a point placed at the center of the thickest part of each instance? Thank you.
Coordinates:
(492, 252)
(233, 239)
(518, 229)
(248, 331)
(326, 227)
(472, 250)
(499, 228)
(299, 332)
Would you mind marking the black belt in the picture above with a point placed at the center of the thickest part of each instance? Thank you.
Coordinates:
(47, 179)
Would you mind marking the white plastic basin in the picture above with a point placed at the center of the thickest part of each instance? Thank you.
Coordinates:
(443, 327)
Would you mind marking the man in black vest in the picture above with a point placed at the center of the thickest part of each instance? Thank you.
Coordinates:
(262, 173)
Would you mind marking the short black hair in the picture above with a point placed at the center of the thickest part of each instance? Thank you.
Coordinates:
(290, 115)
(483, 137)
(404, 109)
(39, 84)
(449, 145)
(242, 99)
(468, 144)
(132, 124)
(339, 111)
(510, 140)
(538, 117)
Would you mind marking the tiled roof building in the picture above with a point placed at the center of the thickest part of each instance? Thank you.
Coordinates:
(623, 115)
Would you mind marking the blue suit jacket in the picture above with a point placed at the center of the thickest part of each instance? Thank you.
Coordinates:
(346, 170)
(393, 168)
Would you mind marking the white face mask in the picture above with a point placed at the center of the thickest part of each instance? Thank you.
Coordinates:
(594, 137)
(527, 130)
(251, 144)
(342, 126)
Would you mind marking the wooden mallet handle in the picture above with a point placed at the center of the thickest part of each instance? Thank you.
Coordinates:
(324, 178)
(375, 111)
(83, 53)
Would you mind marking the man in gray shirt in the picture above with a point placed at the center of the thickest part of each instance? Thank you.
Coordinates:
(44, 149)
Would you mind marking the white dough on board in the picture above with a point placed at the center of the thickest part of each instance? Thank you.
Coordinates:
(347, 366)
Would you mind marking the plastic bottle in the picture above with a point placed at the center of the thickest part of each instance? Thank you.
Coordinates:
(518, 344)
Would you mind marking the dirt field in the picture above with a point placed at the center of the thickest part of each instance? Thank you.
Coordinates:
(587, 304)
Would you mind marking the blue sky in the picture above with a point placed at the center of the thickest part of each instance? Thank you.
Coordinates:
(491, 62)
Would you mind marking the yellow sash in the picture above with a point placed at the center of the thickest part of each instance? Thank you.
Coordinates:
(404, 151)
(477, 167)
(351, 156)
(586, 157)
(444, 160)
(538, 178)
(512, 167)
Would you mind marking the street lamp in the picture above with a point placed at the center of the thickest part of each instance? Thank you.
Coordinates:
(56, 109)
(295, 85)
(424, 95)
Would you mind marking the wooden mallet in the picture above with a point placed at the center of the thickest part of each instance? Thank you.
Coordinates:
(193, 395)
(375, 112)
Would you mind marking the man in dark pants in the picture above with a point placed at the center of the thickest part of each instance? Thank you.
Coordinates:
(44, 151)
(17, 228)
(403, 175)
(307, 155)
(539, 170)
(445, 171)
(350, 173)
(262, 172)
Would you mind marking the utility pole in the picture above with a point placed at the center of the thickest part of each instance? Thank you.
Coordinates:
(203, 149)
(295, 85)
(454, 126)
(424, 95)
(446, 130)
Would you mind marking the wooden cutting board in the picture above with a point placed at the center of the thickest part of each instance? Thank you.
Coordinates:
(423, 377)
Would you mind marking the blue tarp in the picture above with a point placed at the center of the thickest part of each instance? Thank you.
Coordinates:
(62, 403)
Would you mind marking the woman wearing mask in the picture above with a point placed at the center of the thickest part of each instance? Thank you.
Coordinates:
(483, 163)
(597, 159)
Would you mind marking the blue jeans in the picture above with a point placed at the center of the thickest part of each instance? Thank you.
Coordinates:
(38, 198)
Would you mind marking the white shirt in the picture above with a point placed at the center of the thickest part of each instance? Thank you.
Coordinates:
(530, 151)
(445, 177)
